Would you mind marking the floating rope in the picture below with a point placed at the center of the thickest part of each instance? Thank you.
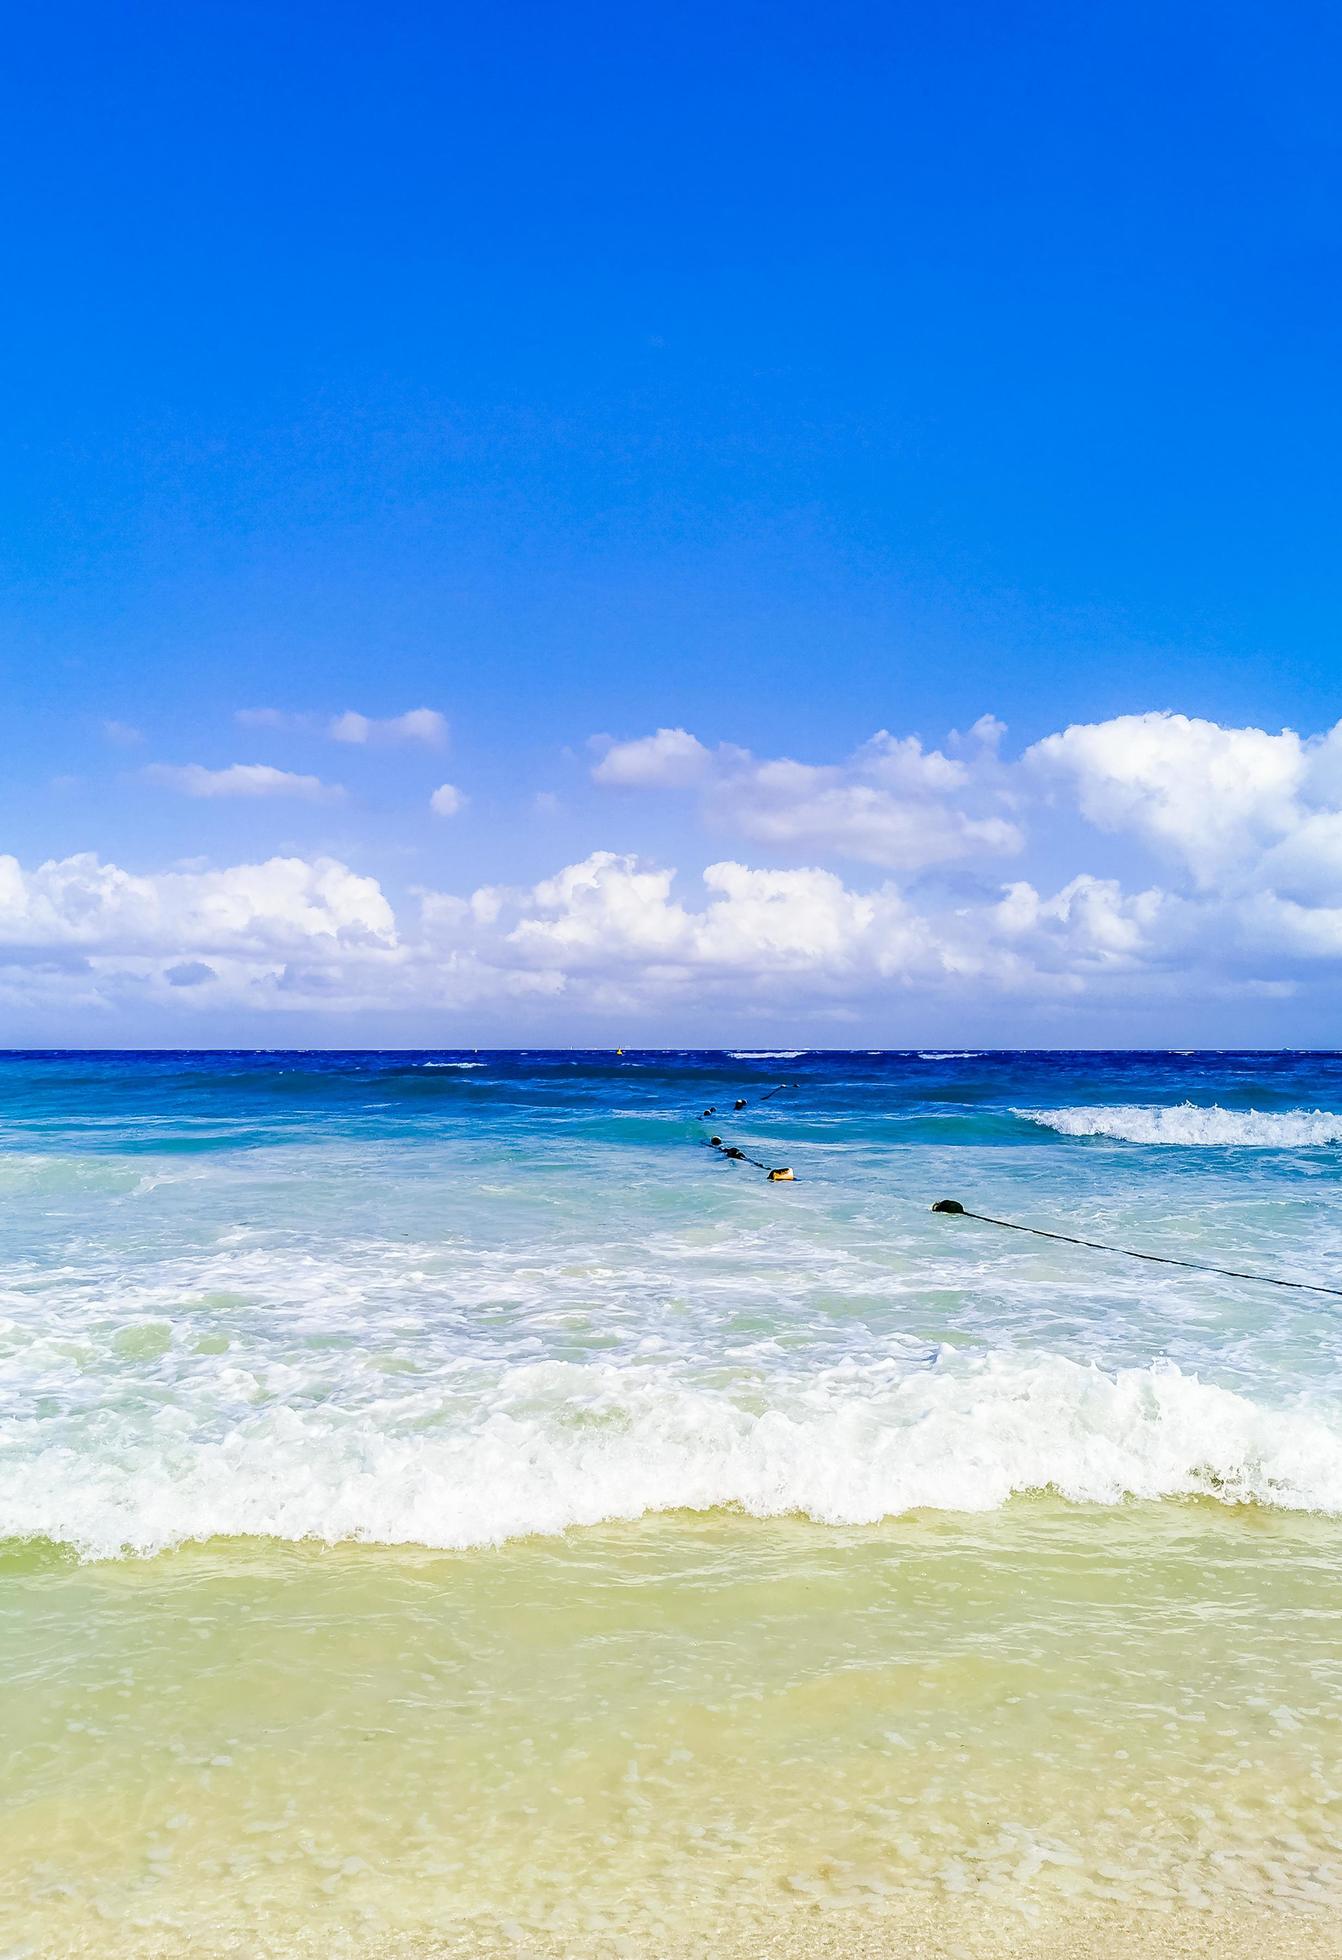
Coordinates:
(782, 1175)
(957, 1210)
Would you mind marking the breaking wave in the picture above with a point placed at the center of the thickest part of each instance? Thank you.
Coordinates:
(1192, 1124)
(556, 1444)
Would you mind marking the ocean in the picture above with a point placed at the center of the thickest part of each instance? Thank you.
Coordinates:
(445, 1505)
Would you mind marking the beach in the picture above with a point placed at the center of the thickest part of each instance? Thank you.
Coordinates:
(447, 1508)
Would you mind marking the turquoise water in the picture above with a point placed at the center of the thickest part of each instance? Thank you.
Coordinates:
(451, 1299)
(464, 1429)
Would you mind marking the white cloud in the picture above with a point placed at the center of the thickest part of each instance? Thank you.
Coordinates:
(988, 730)
(670, 759)
(817, 810)
(893, 803)
(289, 933)
(1238, 808)
(903, 763)
(123, 734)
(416, 725)
(424, 725)
(614, 931)
(249, 779)
(446, 800)
(1249, 902)
(282, 904)
(1091, 922)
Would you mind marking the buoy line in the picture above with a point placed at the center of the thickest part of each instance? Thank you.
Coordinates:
(782, 1174)
(955, 1209)
(952, 1207)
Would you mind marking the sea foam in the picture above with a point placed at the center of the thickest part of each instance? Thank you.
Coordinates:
(555, 1445)
(1193, 1124)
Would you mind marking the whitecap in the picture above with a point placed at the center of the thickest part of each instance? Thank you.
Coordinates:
(557, 1444)
(1194, 1125)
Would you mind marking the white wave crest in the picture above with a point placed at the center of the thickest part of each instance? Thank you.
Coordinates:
(1194, 1124)
(451, 1064)
(949, 1054)
(766, 1054)
(557, 1444)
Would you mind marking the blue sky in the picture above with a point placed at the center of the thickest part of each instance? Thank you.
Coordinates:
(776, 375)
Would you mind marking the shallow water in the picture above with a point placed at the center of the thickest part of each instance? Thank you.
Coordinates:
(683, 1543)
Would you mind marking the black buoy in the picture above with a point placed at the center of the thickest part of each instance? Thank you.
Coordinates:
(951, 1205)
(740, 1103)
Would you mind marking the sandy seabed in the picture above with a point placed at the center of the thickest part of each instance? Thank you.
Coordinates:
(939, 1932)
(930, 1930)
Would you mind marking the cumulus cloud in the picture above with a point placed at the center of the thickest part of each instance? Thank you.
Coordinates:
(250, 779)
(607, 931)
(1238, 808)
(1091, 924)
(893, 803)
(670, 759)
(1247, 898)
(446, 800)
(988, 731)
(416, 725)
(615, 931)
(791, 804)
(279, 905)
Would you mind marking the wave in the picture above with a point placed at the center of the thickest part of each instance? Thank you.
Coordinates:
(29, 1173)
(451, 1065)
(949, 1054)
(766, 1054)
(556, 1445)
(1194, 1124)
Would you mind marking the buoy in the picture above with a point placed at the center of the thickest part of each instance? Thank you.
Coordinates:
(780, 1174)
(949, 1204)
